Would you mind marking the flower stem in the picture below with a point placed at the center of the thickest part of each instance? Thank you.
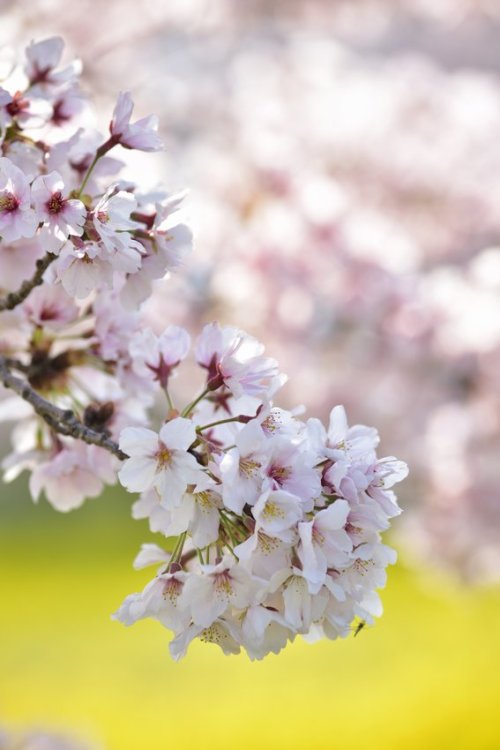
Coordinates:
(189, 408)
(88, 173)
(214, 424)
(169, 399)
(177, 551)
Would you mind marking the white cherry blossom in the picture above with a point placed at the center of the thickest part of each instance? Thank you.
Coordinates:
(161, 599)
(301, 608)
(82, 269)
(277, 513)
(221, 632)
(160, 460)
(242, 469)
(324, 543)
(216, 588)
(293, 468)
(265, 631)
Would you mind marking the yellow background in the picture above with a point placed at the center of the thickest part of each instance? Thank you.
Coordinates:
(426, 676)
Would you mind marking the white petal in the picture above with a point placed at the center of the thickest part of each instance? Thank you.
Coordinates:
(138, 441)
(137, 473)
(178, 434)
(150, 554)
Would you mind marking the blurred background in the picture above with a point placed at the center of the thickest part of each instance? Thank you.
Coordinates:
(344, 172)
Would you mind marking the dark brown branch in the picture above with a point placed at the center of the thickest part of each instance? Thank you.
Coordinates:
(13, 299)
(62, 421)
(15, 364)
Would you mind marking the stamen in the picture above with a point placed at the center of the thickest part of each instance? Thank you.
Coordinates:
(8, 202)
(163, 456)
(55, 203)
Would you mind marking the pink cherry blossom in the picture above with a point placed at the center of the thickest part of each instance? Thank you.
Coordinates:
(141, 134)
(51, 307)
(277, 521)
(62, 217)
(156, 357)
(76, 472)
(43, 59)
(235, 360)
(111, 220)
(17, 218)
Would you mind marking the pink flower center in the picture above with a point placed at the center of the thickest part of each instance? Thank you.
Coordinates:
(351, 529)
(8, 202)
(102, 217)
(59, 115)
(279, 473)
(17, 105)
(163, 456)
(50, 313)
(55, 203)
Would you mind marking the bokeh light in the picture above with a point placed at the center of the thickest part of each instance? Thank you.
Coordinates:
(344, 174)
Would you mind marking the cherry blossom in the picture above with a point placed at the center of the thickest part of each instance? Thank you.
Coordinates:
(160, 460)
(83, 268)
(209, 594)
(141, 134)
(17, 218)
(277, 513)
(73, 474)
(272, 523)
(157, 357)
(62, 216)
(50, 307)
(324, 543)
(42, 60)
(235, 360)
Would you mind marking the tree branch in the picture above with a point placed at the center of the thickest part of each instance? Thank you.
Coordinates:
(13, 299)
(62, 421)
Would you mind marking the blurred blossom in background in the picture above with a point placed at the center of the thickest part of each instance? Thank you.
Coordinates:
(344, 173)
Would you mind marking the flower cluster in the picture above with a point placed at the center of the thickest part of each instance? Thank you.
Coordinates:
(80, 249)
(63, 193)
(362, 267)
(276, 521)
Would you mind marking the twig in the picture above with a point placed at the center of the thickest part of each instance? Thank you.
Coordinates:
(15, 364)
(62, 421)
(13, 299)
